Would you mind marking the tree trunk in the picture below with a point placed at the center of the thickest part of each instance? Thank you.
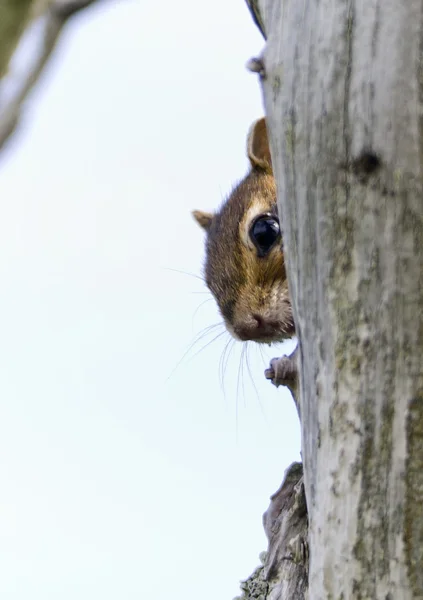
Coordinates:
(342, 84)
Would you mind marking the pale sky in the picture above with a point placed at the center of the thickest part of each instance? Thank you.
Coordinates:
(122, 477)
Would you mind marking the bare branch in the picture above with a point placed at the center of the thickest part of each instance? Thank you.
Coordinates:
(33, 34)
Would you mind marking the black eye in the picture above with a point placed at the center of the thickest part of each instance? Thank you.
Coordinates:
(264, 232)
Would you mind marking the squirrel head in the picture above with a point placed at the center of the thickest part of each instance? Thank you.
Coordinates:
(244, 266)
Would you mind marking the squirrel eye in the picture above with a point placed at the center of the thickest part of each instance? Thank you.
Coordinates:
(264, 232)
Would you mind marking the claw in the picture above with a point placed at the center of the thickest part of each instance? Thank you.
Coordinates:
(284, 371)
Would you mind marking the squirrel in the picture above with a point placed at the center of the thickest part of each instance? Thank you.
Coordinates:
(245, 267)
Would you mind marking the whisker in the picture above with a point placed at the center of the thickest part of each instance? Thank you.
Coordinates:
(221, 363)
(232, 343)
(222, 360)
(241, 371)
(198, 308)
(208, 344)
(239, 385)
(254, 385)
(202, 334)
(243, 355)
(206, 331)
(185, 273)
(197, 340)
(237, 394)
(210, 329)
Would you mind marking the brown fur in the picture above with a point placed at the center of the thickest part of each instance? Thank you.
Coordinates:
(246, 286)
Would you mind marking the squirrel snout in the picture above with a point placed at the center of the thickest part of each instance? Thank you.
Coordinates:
(257, 328)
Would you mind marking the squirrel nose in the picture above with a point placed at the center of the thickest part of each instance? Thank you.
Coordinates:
(256, 328)
(260, 322)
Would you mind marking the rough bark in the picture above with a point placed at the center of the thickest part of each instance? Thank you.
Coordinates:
(343, 96)
(284, 572)
(42, 22)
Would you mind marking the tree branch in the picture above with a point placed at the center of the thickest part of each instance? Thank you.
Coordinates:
(14, 15)
(34, 29)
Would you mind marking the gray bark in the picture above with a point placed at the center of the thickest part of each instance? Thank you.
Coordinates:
(284, 573)
(342, 87)
(286, 525)
(42, 21)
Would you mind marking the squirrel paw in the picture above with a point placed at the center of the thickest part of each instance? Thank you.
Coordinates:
(282, 371)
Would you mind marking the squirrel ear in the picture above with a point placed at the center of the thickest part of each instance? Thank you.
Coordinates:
(204, 219)
(258, 146)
